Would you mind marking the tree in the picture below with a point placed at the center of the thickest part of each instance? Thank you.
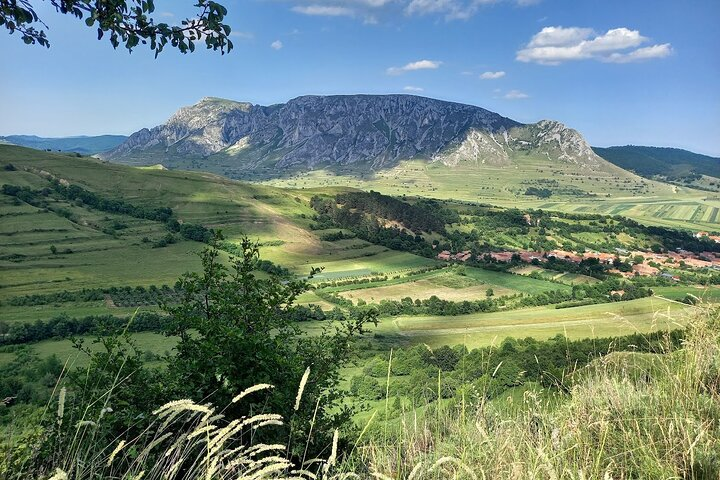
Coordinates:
(126, 21)
(53, 249)
(489, 292)
(237, 330)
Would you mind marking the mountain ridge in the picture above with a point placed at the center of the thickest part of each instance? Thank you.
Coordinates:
(84, 144)
(375, 131)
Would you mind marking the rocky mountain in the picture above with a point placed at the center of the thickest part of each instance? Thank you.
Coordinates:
(369, 131)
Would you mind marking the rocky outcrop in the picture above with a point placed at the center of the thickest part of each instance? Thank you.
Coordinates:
(373, 130)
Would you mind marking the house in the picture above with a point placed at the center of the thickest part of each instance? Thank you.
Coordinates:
(463, 256)
(563, 255)
(502, 256)
(528, 257)
(623, 274)
(714, 238)
(444, 255)
(701, 234)
(644, 270)
(619, 293)
(605, 258)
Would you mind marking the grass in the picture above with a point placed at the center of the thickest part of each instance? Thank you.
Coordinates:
(447, 284)
(626, 415)
(28, 314)
(483, 329)
(65, 351)
(609, 190)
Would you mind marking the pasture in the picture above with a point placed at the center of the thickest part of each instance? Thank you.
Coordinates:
(609, 190)
(475, 330)
(591, 321)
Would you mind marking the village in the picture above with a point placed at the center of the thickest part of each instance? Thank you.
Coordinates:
(641, 263)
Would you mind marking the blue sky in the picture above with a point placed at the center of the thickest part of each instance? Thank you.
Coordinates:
(620, 72)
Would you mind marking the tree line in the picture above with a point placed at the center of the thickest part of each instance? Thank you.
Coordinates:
(484, 373)
(75, 193)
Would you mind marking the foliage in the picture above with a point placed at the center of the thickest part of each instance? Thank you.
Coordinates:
(126, 21)
(64, 326)
(360, 215)
(539, 192)
(624, 415)
(236, 330)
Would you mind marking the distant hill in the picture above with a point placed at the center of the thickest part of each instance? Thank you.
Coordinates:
(81, 144)
(670, 163)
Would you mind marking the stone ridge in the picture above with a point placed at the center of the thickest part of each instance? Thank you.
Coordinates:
(377, 130)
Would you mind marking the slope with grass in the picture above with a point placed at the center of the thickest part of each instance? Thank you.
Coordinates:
(611, 192)
(482, 329)
(671, 163)
(88, 256)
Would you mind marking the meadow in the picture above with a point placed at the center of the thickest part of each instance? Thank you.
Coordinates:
(95, 249)
(608, 191)
(59, 248)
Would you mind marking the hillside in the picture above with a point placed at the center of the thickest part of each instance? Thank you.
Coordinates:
(84, 145)
(404, 144)
(50, 243)
(666, 162)
(107, 249)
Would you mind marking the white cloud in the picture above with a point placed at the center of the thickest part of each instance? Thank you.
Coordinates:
(277, 45)
(324, 10)
(243, 35)
(372, 10)
(559, 36)
(410, 88)
(555, 45)
(451, 9)
(515, 95)
(645, 53)
(492, 75)
(412, 66)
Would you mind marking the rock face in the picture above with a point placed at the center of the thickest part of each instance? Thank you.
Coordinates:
(372, 130)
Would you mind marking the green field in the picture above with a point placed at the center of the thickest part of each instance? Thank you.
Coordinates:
(476, 330)
(482, 329)
(93, 252)
(610, 191)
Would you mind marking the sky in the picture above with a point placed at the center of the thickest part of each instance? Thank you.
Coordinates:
(619, 71)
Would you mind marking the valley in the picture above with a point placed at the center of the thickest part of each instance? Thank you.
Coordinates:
(527, 273)
(57, 247)
(359, 240)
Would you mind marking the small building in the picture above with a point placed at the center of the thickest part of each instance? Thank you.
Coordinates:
(644, 270)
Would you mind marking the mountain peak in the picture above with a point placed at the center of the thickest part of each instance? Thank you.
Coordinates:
(375, 130)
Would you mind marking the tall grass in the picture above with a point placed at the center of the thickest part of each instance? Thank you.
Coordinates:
(627, 415)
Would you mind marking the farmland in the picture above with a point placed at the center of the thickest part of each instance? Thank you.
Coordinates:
(67, 246)
(612, 192)
(480, 330)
